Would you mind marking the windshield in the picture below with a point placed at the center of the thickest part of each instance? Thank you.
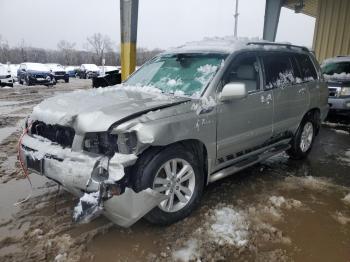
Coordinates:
(37, 67)
(55, 67)
(341, 68)
(185, 74)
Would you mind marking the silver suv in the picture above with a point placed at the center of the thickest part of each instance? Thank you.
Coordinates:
(188, 117)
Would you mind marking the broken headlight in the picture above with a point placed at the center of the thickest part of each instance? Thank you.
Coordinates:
(101, 143)
(127, 143)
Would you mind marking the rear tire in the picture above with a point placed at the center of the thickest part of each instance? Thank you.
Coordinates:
(182, 180)
(27, 81)
(303, 140)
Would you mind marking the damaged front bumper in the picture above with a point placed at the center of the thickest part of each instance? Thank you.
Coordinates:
(82, 173)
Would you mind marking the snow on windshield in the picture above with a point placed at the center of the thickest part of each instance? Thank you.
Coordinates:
(182, 74)
(37, 67)
(336, 69)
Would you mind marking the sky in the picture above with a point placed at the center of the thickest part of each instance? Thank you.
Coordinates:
(162, 23)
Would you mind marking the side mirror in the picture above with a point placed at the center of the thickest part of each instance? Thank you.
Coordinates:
(233, 91)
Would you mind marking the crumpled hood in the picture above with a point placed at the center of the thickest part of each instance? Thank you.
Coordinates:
(95, 110)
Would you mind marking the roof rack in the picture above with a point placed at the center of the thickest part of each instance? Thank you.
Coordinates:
(279, 44)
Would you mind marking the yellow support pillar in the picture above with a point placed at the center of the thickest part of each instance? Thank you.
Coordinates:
(128, 26)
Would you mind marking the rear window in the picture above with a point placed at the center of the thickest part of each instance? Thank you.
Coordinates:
(307, 69)
(278, 70)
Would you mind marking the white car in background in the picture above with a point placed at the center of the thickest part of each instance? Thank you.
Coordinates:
(58, 72)
(6, 78)
(87, 71)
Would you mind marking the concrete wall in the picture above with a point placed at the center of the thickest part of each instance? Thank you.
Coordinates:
(332, 30)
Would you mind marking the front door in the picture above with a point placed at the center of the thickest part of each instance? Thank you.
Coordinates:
(246, 123)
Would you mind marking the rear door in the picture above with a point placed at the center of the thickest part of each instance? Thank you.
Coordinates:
(244, 124)
(289, 92)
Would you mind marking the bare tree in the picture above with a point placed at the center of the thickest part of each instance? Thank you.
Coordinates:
(67, 50)
(99, 44)
(4, 50)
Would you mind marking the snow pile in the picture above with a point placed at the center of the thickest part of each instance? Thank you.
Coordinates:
(235, 229)
(346, 199)
(187, 253)
(341, 218)
(229, 227)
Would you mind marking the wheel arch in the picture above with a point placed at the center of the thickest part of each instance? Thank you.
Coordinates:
(192, 145)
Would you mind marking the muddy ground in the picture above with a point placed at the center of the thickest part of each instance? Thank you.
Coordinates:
(279, 210)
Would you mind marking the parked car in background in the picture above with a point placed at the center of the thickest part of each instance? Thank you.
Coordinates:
(87, 71)
(58, 72)
(337, 74)
(34, 74)
(186, 118)
(106, 69)
(14, 68)
(71, 70)
(5, 76)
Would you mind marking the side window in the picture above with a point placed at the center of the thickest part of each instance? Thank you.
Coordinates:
(307, 68)
(278, 70)
(244, 69)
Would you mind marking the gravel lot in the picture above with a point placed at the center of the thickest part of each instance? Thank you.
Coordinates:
(280, 210)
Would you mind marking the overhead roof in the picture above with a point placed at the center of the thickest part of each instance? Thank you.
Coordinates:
(310, 6)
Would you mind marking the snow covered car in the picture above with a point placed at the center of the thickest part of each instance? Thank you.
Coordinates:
(34, 74)
(5, 76)
(87, 71)
(71, 70)
(337, 73)
(58, 72)
(188, 117)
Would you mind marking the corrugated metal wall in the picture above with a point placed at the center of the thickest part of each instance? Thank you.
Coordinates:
(332, 30)
(310, 6)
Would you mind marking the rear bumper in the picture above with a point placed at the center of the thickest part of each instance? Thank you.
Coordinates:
(6, 82)
(339, 104)
(74, 171)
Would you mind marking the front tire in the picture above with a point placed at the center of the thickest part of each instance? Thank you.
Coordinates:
(303, 140)
(173, 171)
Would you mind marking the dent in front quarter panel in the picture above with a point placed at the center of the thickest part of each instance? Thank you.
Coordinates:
(175, 128)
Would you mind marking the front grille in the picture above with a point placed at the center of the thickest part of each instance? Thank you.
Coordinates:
(61, 135)
(60, 73)
(332, 92)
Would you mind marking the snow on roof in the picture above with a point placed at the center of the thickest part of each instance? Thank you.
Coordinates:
(4, 70)
(55, 67)
(37, 67)
(227, 44)
(336, 59)
(90, 67)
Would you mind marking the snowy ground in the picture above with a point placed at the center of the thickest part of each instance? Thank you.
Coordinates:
(280, 210)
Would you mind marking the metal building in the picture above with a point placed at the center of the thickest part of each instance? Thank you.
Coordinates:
(332, 29)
